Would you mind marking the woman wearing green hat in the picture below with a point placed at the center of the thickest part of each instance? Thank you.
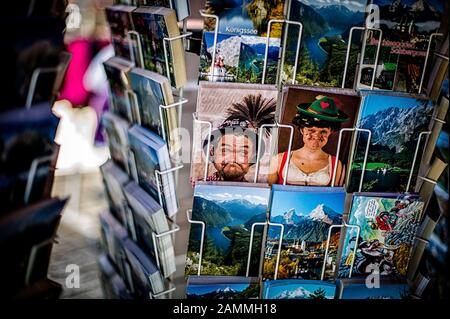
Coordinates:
(310, 165)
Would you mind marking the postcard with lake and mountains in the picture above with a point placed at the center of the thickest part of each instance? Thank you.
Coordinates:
(241, 40)
(306, 214)
(228, 211)
(222, 287)
(395, 120)
(388, 224)
(298, 289)
(407, 26)
(326, 31)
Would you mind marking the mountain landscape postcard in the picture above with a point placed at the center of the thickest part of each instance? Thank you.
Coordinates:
(395, 122)
(241, 40)
(298, 289)
(407, 26)
(356, 288)
(222, 287)
(307, 214)
(388, 224)
(244, 16)
(326, 30)
(228, 211)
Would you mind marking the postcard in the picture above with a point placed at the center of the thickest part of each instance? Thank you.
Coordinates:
(235, 112)
(153, 91)
(222, 287)
(120, 22)
(149, 218)
(307, 213)
(407, 26)
(154, 24)
(359, 288)
(228, 210)
(145, 277)
(114, 179)
(317, 116)
(326, 31)
(298, 289)
(388, 224)
(150, 155)
(22, 230)
(241, 41)
(113, 285)
(116, 70)
(113, 236)
(181, 7)
(395, 121)
(27, 136)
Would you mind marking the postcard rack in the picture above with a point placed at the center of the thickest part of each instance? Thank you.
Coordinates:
(31, 263)
(169, 287)
(202, 238)
(267, 224)
(135, 46)
(34, 80)
(276, 125)
(157, 174)
(178, 92)
(156, 237)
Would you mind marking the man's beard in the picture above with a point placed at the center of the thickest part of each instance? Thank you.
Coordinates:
(232, 171)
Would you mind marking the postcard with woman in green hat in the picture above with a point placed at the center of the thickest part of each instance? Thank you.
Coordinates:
(317, 116)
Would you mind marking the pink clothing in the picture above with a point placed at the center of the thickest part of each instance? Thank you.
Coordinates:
(73, 88)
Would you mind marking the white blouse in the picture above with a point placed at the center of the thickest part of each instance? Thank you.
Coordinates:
(321, 177)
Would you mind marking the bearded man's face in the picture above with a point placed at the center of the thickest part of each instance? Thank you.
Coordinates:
(232, 156)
